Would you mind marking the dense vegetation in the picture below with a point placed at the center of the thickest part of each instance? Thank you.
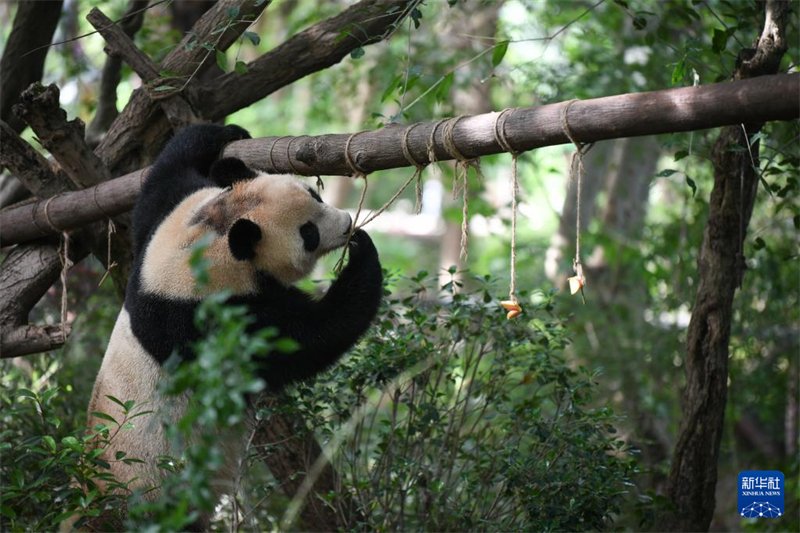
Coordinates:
(447, 417)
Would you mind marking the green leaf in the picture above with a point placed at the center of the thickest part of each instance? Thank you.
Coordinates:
(49, 394)
(692, 185)
(253, 37)
(240, 68)
(679, 72)
(639, 23)
(233, 12)
(719, 41)
(499, 53)
(680, 154)
(18, 478)
(116, 400)
(443, 91)
(103, 416)
(222, 61)
(119, 455)
(666, 173)
(357, 53)
(8, 512)
(759, 243)
(50, 442)
(72, 443)
(26, 393)
(286, 345)
(162, 88)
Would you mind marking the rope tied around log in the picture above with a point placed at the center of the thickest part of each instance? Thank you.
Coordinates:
(419, 168)
(358, 172)
(461, 174)
(272, 153)
(289, 156)
(512, 305)
(66, 264)
(578, 281)
(111, 228)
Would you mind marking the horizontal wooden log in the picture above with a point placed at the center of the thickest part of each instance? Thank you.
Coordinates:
(629, 115)
(70, 210)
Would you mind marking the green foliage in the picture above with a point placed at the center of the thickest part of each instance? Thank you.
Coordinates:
(450, 418)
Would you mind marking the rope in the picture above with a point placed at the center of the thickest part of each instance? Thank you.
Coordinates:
(320, 185)
(65, 265)
(358, 172)
(578, 281)
(272, 155)
(33, 218)
(289, 155)
(463, 163)
(502, 140)
(110, 229)
(417, 173)
(431, 147)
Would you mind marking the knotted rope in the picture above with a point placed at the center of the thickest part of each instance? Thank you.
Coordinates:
(461, 174)
(66, 264)
(110, 229)
(578, 281)
(502, 140)
(358, 172)
(272, 153)
(417, 172)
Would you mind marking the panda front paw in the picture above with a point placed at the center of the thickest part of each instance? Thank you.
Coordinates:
(361, 247)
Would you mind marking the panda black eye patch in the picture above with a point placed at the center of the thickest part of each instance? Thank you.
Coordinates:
(314, 195)
(310, 235)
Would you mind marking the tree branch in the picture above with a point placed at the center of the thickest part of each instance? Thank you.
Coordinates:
(40, 108)
(64, 139)
(25, 275)
(720, 266)
(28, 165)
(311, 50)
(34, 26)
(107, 112)
(627, 115)
(121, 47)
(138, 134)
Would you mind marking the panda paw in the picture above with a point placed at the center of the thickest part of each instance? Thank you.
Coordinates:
(361, 247)
(233, 132)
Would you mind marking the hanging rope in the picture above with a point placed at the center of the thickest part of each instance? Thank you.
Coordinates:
(66, 264)
(358, 172)
(511, 305)
(417, 173)
(110, 229)
(320, 185)
(461, 175)
(578, 281)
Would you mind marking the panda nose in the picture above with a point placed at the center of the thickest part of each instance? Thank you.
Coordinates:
(349, 225)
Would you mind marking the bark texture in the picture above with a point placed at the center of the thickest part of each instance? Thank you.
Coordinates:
(720, 267)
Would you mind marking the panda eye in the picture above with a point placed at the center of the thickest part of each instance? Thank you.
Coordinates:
(314, 195)
(310, 235)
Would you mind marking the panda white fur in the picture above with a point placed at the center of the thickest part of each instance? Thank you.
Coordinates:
(268, 232)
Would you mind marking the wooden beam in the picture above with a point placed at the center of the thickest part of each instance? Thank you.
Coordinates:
(628, 115)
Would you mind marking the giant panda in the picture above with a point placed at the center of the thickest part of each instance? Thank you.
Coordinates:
(267, 232)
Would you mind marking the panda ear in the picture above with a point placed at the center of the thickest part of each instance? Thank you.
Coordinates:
(242, 238)
(228, 170)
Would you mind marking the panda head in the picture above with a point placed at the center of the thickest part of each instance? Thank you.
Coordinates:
(275, 223)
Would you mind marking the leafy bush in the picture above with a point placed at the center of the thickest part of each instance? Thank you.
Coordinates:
(447, 417)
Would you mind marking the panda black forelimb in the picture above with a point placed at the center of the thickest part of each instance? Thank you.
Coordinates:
(182, 168)
(327, 328)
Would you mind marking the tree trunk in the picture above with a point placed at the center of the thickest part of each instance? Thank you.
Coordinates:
(720, 267)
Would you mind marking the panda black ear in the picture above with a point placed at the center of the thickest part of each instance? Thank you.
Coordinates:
(242, 238)
(228, 170)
